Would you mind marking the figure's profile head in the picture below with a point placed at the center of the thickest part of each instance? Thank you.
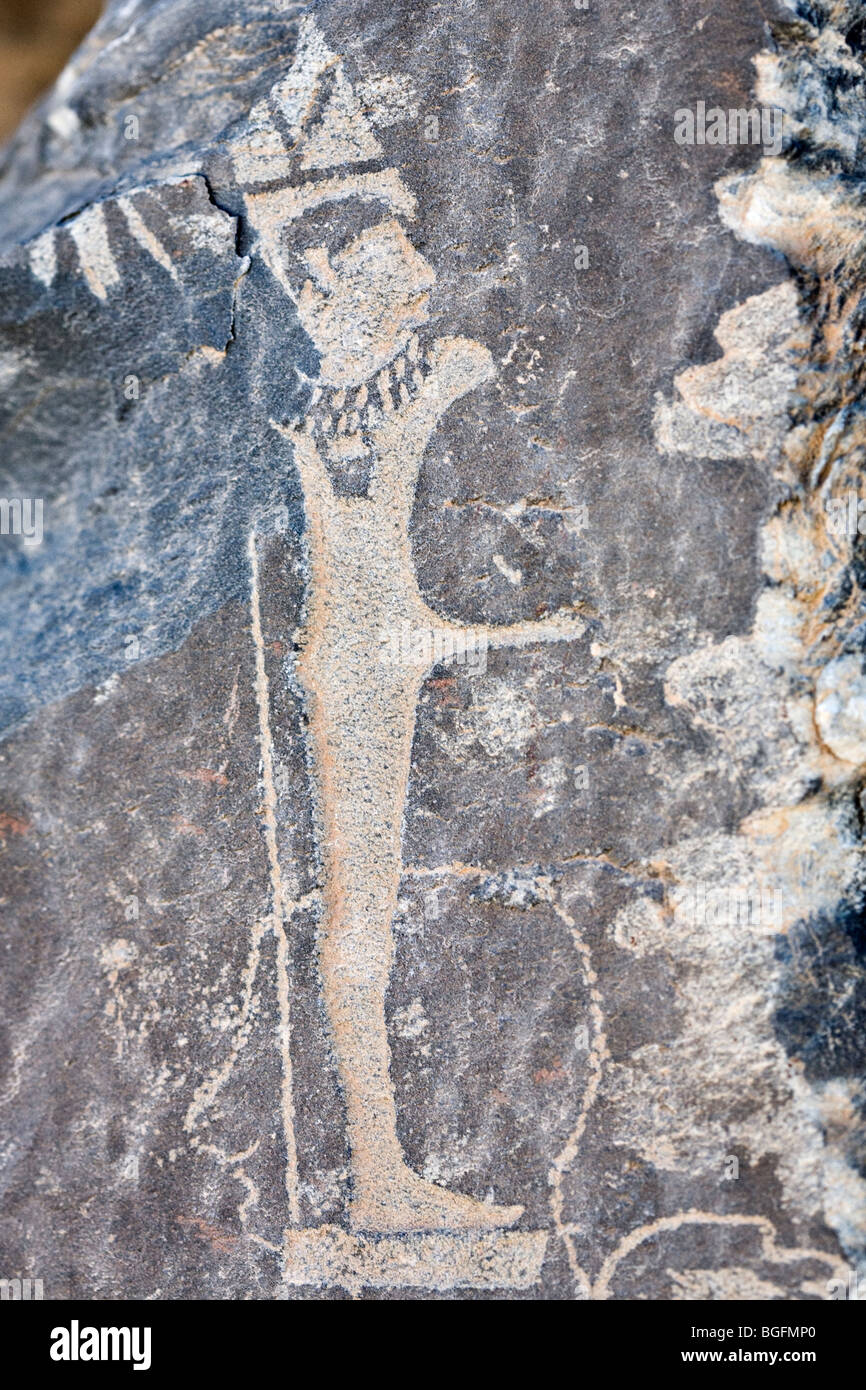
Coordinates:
(361, 304)
(327, 222)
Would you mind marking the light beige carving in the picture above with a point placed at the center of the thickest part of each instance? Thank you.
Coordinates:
(361, 307)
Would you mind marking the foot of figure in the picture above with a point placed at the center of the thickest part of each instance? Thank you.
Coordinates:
(403, 1201)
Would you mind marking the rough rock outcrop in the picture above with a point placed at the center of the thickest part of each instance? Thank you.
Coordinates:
(433, 702)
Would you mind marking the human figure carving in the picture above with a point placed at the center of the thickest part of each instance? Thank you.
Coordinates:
(361, 307)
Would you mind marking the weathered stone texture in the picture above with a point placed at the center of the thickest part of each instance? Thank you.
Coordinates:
(301, 359)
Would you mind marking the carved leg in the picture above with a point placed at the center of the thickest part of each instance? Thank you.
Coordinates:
(365, 739)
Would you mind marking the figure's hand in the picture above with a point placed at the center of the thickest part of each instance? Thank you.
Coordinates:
(457, 365)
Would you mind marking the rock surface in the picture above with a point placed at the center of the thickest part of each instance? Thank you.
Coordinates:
(433, 703)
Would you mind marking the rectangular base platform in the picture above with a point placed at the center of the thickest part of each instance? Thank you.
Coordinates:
(328, 1256)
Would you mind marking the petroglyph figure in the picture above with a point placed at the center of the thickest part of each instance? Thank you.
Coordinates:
(361, 307)
(312, 170)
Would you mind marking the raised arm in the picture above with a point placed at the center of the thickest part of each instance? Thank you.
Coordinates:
(457, 365)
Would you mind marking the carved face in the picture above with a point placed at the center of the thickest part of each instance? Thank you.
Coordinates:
(362, 304)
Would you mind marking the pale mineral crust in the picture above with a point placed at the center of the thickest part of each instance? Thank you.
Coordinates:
(433, 708)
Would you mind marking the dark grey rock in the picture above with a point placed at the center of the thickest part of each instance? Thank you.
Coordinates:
(621, 869)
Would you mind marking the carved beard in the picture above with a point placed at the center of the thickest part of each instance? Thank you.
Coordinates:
(342, 420)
